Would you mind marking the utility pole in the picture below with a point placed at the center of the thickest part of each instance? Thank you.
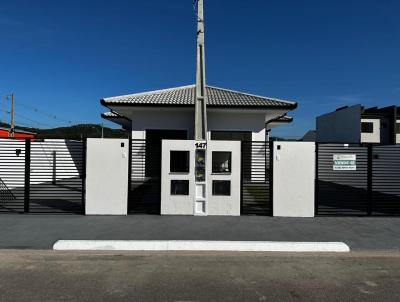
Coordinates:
(102, 130)
(12, 123)
(200, 132)
(201, 93)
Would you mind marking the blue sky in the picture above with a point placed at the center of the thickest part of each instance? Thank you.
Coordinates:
(63, 56)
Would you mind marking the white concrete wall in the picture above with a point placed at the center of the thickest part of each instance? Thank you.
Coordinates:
(340, 126)
(374, 137)
(176, 204)
(185, 204)
(182, 119)
(161, 119)
(294, 178)
(107, 176)
(397, 134)
(224, 205)
(237, 121)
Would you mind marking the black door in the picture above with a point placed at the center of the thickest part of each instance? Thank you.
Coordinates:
(145, 195)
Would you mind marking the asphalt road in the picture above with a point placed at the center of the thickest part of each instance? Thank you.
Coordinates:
(59, 276)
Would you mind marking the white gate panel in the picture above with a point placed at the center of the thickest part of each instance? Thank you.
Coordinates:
(294, 179)
(107, 176)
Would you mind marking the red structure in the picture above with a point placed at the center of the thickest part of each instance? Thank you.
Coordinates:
(18, 134)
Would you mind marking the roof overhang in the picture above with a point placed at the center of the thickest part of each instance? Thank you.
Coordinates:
(123, 121)
(255, 107)
(281, 120)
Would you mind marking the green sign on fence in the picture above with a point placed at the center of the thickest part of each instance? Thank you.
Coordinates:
(344, 162)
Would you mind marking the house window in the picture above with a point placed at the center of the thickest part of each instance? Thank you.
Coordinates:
(179, 162)
(221, 187)
(367, 127)
(221, 162)
(179, 187)
(398, 127)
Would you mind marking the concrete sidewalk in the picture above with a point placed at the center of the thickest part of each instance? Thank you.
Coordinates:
(42, 231)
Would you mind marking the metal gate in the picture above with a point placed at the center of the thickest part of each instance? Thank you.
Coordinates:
(341, 192)
(144, 196)
(56, 176)
(12, 176)
(256, 178)
(42, 176)
(372, 187)
(385, 180)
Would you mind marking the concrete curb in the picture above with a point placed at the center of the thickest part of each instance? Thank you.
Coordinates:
(199, 245)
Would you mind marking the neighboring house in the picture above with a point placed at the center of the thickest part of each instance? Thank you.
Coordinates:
(310, 136)
(169, 114)
(356, 124)
(18, 134)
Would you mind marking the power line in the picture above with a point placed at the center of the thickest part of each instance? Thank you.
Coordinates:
(37, 110)
(23, 124)
(27, 118)
(45, 113)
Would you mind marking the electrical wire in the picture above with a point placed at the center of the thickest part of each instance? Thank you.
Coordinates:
(63, 122)
(23, 124)
(27, 118)
(37, 110)
(47, 114)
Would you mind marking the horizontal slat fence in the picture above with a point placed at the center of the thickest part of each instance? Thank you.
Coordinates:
(373, 188)
(256, 178)
(41, 176)
(386, 180)
(56, 176)
(342, 192)
(12, 176)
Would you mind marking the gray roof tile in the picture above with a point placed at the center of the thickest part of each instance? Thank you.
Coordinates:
(185, 96)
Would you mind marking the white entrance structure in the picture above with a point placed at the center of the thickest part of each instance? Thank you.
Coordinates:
(182, 195)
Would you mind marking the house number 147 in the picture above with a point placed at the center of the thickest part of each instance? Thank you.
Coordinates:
(201, 145)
